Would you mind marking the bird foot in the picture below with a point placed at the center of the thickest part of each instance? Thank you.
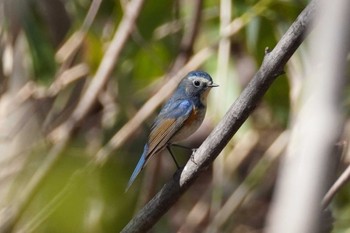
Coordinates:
(194, 150)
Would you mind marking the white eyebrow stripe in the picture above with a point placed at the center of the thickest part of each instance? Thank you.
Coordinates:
(200, 78)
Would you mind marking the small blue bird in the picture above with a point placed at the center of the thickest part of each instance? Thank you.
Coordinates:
(181, 116)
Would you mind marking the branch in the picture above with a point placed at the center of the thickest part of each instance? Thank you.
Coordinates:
(71, 46)
(223, 132)
(338, 184)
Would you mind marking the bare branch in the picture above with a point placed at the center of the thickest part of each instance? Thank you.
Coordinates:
(75, 41)
(340, 182)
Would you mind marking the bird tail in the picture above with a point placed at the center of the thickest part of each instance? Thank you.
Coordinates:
(138, 167)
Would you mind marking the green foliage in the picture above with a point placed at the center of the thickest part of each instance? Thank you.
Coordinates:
(40, 45)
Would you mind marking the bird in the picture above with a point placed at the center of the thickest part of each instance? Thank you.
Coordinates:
(179, 117)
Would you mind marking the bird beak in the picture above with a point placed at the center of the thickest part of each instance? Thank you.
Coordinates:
(213, 85)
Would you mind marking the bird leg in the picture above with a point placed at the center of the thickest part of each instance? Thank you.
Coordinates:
(171, 153)
(185, 147)
(192, 156)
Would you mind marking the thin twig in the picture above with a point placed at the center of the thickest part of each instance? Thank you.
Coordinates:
(69, 49)
(338, 184)
(223, 132)
(343, 179)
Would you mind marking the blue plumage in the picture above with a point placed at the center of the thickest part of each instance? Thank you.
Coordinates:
(181, 115)
(138, 167)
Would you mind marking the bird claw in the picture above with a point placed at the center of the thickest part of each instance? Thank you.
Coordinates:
(194, 150)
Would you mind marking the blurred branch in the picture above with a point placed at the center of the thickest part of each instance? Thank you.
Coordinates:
(197, 215)
(233, 160)
(62, 134)
(105, 69)
(66, 73)
(340, 150)
(67, 77)
(241, 150)
(338, 184)
(307, 165)
(33, 90)
(255, 177)
(272, 66)
(238, 23)
(70, 48)
(188, 39)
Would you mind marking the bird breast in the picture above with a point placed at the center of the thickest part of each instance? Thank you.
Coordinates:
(191, 124)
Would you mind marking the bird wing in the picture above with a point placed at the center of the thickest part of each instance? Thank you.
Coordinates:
(168, 122)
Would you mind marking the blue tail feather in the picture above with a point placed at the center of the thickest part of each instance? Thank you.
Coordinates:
(138, 167)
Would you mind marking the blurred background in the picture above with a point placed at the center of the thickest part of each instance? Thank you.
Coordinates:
(79, 92)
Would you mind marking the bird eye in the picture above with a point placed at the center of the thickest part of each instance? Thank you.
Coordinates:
(196, 83)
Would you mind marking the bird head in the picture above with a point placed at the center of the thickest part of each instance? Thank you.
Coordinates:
(197, 84)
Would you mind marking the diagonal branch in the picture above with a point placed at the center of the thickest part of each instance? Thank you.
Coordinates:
(272, 66)
(338, 184)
